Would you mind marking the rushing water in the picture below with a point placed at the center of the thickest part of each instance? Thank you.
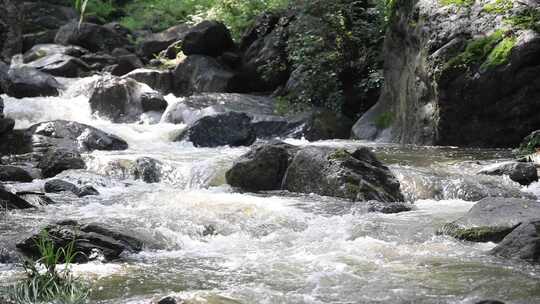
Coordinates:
(273, 247)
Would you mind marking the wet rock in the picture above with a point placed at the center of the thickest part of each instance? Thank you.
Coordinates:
(14, 174)
(15, 142)
(522, 243)
(32, 39)
(210, 38)
(167, 300)
(262, 168)
(157, 42)
(357, 176)
(36, 198)
(1, 105)
(6, 125)
(153, 101)
(492, 219)
(59, 160)
(30, 82)
(156, 79)
(490, 302)
(90, 36)
(44, 50)
(87, 190)
(58, 185)
(227, 129)
(74, 136)
(121, 99)
(523, 173)
(91, 240)
(388, 208)
(7, 257)
(146, 169)
(200, 74)
(125, 64)
(322, 124)
(60, 65)
(10, 201)
(98, 61)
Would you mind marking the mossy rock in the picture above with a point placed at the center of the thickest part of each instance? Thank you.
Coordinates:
(476, 234)
(531, 144)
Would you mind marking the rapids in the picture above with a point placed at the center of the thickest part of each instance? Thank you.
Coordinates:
(209, 244)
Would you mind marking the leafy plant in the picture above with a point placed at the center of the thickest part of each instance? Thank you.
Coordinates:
(44, 283)
(499, 7)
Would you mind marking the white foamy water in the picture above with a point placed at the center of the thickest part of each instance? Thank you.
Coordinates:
(206, 243)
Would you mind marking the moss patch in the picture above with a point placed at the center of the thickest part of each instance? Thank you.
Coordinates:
(339, 154)
(384, 121)
(499, 7)
(462, 3)
(476, 234)
(528, 19)
(499, 55)
(477, 50)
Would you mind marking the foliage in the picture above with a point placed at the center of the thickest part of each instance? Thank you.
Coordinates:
(527, 19)
(477, 50)
(531, 144)
(499, 7)
(157, 15)
(331, 43)
(44, 283)
(462, 3)
(499, 55)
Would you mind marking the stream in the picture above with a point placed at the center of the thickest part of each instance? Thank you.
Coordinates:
(206, 243)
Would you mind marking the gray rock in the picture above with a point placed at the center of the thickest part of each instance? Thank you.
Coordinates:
(124, 64)
(6, 125)
(146, 169)
(30, 82)
(90, 36)
(210, 38)
(357, 176)
(44, 50)
(523, 173)
(36, 198)
(262, 168)
(86, 191)
(10, 201)
(157, 42)
(58, 185)
(60, 65)
(121, 99)
(167, 300)
(388, 208)
(227, 129)
(522, 243)
(492, 219)
(156, 79)
(89, 239)
(434, 95)
(71, 135)
(14, 174)
(59, 160)
(200, 74)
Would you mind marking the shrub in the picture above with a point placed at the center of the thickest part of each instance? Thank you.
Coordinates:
(44, 283)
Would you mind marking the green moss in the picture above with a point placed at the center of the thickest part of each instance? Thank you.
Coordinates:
(339, 154)
(500, 54)
(352, 190)
(462, 3)
(476, 234)
(384, 121)
(499, 7)
(528, 19)
(477, 50)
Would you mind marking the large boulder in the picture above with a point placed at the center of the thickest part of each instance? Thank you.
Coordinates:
(210, 38)
(124, 64)
(6, 125)
(71, 135)
(155, 43)
(43, 50)
(262, 168)
(520, 172)
(60, 65)
(59, 160)
(492, 219)
(30, 82)
(226, 129)
(265, 65)
(158, 80)
(90, 241)
(91, 36)
(10, 201)
(14, 174)
(40, 16)
(522, 243)
(58, 185)
(357, 176)
(458, 73)
(122, 99)
(200, 74)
